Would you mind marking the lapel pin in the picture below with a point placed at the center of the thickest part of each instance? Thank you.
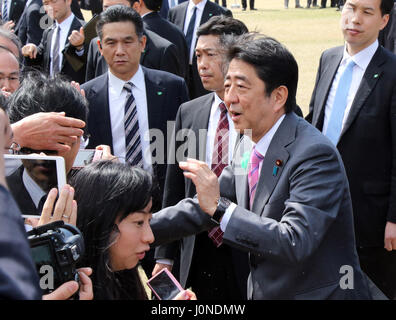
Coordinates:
(210, 14)
(376, 76)
(278, 163)
(245, 160)
(159, 93)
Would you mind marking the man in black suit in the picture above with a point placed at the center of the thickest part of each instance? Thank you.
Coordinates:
(32, 23)
(66, 32)
(130, 106)
(188, 16)
(148, 10)
(353, 104)
(213, 273)
(159, 53)
(387, 36)
(11, 10)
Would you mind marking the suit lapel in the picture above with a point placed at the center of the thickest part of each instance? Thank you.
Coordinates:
(276, 151)
(202, 122)
(328, 77)
(371, 76)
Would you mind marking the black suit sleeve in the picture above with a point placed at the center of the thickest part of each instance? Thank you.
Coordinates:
(35, 26)
(91, 62)
(312, 101)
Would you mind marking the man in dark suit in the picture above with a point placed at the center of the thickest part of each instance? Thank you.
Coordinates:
(188, 16)
(11, 10)
(353, 104)
(131, 105)
(32, 23)
(285, 198)
(387, 36)
(159, 53)
(148, 9)
(213, 272)
(66, 32)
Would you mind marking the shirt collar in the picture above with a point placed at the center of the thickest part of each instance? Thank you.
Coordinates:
(263, 144)
(34, 190)
(117, 84)
(66, 24)
(200, 6)
(362, 58)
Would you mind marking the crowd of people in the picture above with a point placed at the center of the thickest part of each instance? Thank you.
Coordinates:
(209, 169)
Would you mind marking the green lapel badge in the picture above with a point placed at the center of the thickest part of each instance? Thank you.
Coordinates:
(210, 14)
(245, 160)
(376, 76)
(159, 93)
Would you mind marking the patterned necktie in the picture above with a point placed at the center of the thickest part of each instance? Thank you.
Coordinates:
(254, 173)
(133, 147)
(4, 14)
(190, 29)
(340, 103)
(55, 53)
(220, 161)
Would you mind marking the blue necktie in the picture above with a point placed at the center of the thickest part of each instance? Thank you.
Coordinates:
(133, 146)
(340, 102)
(190, 29)
(173, 3)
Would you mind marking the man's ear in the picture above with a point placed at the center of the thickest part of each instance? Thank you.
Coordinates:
(280, 95)
(99, 46)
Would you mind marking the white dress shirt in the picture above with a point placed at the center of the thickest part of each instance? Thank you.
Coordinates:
(212, 127)
(34, 190)
(362, 60)
(190, 10)
(64, 31)
(262, 147)
(117, 99)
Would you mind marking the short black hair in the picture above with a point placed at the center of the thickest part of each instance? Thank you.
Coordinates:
(386, 6)
(41, 93)
(273, 63)
(220, 25)
(154, 5)
(119, 13)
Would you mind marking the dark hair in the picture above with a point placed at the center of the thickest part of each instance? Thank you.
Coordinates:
(41, 93)
(119, 13)
(273, 63)
(106, 191)
(220, 25)
(13, 38)
(386, 6)
(3, 102)
(154, 5)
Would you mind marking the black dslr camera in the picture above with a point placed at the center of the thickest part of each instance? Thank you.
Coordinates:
(56, 249)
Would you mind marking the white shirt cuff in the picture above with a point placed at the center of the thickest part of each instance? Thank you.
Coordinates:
(227, 216)
(169, 262)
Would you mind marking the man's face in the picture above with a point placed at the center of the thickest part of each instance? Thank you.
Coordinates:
(122, 48)
(210, 62)
(58, 10)
(361, 21)
(247, 102)
(9, 72)
(43, 172)
(109, 3)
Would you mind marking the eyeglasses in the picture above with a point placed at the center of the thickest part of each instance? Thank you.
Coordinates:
(14, 148)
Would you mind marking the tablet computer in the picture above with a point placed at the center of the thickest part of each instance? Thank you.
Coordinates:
(29, 177)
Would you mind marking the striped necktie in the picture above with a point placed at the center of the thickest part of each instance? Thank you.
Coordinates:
(220, 161)
(4, 14)
(254, 173)
(55, 53)
(133, 147)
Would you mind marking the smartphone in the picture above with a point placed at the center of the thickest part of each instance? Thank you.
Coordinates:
(86, 156)
(164, 285)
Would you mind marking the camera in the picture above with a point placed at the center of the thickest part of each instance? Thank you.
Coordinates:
(56, 247)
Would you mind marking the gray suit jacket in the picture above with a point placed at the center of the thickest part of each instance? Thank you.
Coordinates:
(299, 233)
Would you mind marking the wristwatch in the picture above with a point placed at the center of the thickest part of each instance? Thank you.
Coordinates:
(222, 205)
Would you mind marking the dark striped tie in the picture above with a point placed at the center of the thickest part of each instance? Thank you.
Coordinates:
(220, 161)
(4, 15)
(133, 147)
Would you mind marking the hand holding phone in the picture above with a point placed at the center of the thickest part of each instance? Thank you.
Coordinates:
(164, 285)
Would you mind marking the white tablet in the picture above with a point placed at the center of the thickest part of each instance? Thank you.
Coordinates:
(29, 177)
